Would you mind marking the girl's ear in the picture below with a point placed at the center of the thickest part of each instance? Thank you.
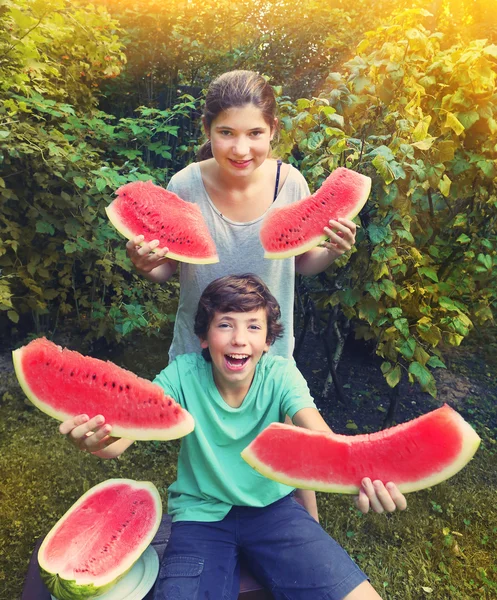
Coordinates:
(204, 344)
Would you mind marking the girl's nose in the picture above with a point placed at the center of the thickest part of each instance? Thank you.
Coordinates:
(240, 147)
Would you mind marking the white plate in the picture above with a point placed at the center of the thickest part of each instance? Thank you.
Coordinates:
(138, 581)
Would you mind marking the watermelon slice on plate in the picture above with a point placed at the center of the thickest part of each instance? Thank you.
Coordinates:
(414, 455)
(143, 208)
(64, 383)
(294, 229)
(99, 539)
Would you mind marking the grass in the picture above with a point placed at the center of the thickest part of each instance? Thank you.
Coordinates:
(443, 547)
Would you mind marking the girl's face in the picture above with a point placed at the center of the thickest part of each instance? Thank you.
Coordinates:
(240, 139)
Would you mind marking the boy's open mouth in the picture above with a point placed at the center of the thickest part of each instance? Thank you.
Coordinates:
(236, 361)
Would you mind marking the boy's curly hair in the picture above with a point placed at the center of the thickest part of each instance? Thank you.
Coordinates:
(237, 293)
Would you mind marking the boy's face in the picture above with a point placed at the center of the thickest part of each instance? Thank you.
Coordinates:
(236, 342)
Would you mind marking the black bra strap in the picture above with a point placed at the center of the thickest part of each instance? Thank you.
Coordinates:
(278, 163)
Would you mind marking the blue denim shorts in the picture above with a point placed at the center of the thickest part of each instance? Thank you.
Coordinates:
(283, 546)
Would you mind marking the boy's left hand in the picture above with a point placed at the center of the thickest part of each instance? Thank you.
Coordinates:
(379, 497)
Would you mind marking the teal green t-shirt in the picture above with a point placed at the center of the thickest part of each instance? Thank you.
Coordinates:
(212, 476)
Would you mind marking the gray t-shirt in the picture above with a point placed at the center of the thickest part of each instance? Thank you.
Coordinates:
(240, 251)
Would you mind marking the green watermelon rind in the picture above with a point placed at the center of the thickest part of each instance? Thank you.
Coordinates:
(183, 428)
(68, 589)
(315, 240)
(470, 444)
(117, 222)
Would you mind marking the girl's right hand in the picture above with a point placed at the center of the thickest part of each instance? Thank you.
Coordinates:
(87, 435)
(142, 255)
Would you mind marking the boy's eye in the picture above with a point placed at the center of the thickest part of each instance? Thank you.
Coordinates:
(257, 327)
(223, 325)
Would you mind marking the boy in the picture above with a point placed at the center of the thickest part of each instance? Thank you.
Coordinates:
(221, 508)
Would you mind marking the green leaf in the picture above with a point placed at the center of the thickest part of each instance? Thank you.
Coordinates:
(444, 185)
(394, 376)
(429, 272)
(436, 363)
(80, 182)
(13, 316)
(100, 184)
(44, 227)
(403, 326)
(389, 288)
(377, 233)
(485, 260)
(463, 239)
(422, 374)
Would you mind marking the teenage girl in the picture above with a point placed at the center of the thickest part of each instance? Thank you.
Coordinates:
(235, 183)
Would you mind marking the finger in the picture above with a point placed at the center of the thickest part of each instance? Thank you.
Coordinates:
(397, 496)
(349, 224)
(98, 440)
(383, 496)
(362, 501)
(336, 239)
(342, 230)
(369, 489)
(81, 432)
(67, 426)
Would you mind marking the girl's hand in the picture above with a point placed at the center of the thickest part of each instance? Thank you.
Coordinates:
(379, 497)
(87, 435)
(341, 234)
(141, 254)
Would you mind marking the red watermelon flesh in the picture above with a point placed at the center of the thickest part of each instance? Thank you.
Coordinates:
(99, 538)
(294, 229)
(142, 208)
(414, 455)
(63, 383)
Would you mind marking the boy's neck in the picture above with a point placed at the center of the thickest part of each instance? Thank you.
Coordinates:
(233, 395)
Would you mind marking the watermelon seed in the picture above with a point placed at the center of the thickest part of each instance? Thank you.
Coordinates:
(47, 363)
(113, 384)
(121, 388)
(105, 383)
(161, 416)
(61, 369)
(94, 376)
(72, 373)
(127, 386)
(170, 402)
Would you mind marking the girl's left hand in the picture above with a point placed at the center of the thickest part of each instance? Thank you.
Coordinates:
(379, 497)
(341, 234)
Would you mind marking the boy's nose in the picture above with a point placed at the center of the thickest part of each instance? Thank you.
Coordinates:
(239, 338)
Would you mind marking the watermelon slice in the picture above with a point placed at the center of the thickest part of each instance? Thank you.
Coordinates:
(63, 383)
(99, 538)
(414, 455)
(142, 208)
(294, 229)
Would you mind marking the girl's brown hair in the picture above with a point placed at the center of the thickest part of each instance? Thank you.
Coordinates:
(237, 293)
(236, 89)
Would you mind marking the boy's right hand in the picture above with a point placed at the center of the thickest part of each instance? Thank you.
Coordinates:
(87, 435)
(141, 254)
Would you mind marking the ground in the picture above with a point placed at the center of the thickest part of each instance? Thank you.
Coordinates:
(469, 384)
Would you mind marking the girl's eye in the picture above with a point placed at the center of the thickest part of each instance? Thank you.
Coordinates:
(256, 133)
(225, 133)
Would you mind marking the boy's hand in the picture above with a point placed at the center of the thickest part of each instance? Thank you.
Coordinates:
(379, 497)
(341, 234)
(87, 435)
(142, 257)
